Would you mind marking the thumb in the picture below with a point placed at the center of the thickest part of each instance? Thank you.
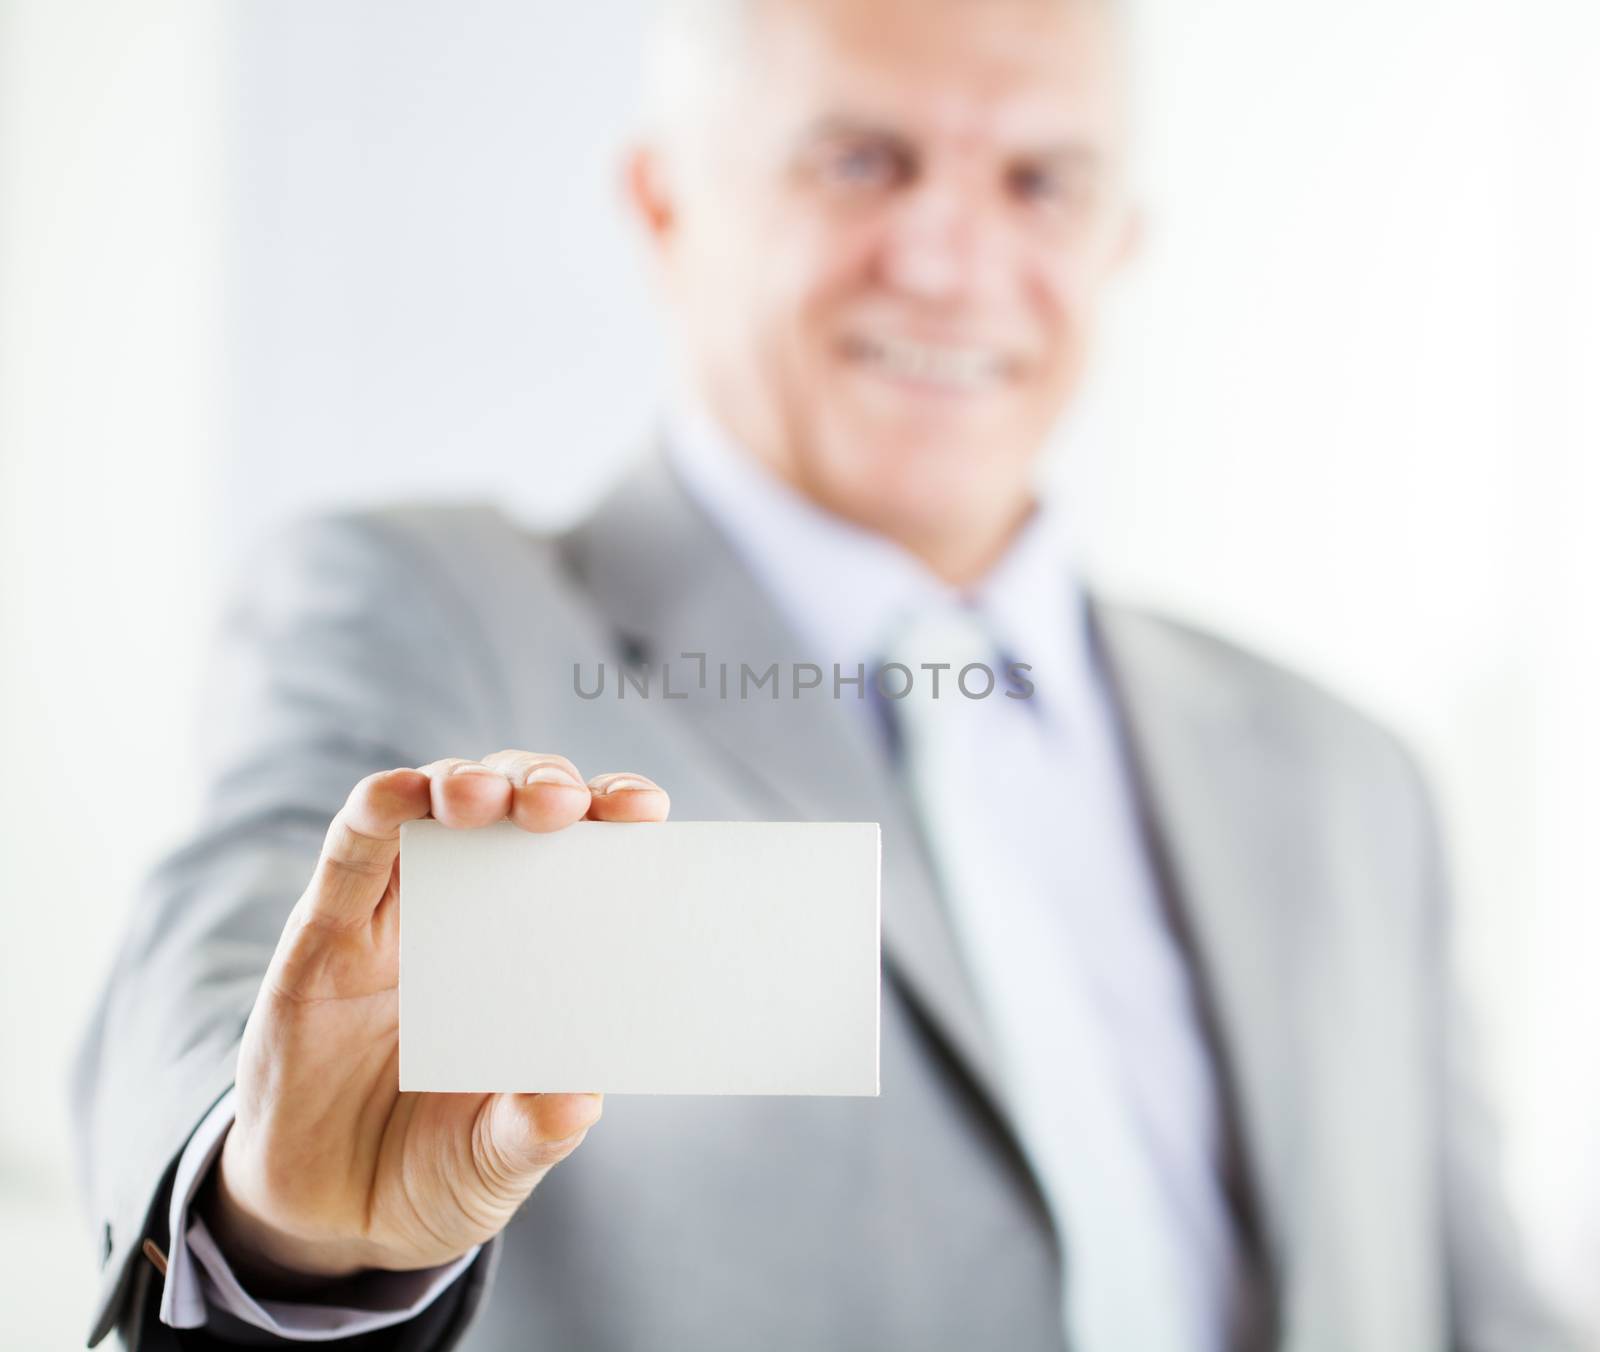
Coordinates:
(522, 1136)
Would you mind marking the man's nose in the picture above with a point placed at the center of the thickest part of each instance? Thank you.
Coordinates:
(944, 243)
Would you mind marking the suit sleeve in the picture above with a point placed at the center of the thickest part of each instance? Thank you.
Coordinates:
(341, 652)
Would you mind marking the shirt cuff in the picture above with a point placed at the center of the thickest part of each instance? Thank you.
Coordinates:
(199, 1279)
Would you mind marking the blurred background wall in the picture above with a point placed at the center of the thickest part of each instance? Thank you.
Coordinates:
(260, 257)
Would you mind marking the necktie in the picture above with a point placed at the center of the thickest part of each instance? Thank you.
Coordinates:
(1123, 1289)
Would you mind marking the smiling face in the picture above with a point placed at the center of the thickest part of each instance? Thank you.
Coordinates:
(884, 246)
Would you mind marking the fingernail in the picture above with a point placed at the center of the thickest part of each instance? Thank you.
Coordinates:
(473, 768)
(553, 774)
(624, 782)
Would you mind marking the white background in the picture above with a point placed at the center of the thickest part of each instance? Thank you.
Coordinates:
(258, 256)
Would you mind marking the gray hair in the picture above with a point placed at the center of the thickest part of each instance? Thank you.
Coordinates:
(693, 51)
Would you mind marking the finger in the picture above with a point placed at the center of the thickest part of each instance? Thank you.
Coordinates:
(623, 797)
(359, 850)
(547, 792)
(523, 1135)
(467, 793)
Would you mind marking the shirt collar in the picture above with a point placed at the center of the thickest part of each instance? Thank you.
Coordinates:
(842, 588)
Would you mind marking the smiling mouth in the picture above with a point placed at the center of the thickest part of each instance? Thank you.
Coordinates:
(951, 368)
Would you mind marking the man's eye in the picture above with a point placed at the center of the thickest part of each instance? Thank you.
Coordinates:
(1048, 185)
(864, 166)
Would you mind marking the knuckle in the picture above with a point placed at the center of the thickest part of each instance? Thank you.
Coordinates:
(368, 785)
(379, 787)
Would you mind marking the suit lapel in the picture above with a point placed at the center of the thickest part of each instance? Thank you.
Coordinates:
(670, 584)
(1224, 831)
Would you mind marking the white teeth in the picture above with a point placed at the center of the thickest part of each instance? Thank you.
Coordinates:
(958, 368)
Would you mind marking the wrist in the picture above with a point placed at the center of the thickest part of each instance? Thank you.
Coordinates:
(271, 1261)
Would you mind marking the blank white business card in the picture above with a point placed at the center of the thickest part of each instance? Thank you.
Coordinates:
(649, 958)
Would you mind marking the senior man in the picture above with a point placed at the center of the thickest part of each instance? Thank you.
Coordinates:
(1168, 1061)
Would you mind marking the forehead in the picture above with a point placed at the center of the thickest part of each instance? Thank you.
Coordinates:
(1012, 71)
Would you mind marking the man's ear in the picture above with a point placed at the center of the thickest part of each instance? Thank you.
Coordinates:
(1135, 226)
(647, 190)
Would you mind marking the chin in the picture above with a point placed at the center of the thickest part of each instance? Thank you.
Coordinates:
(925, 486)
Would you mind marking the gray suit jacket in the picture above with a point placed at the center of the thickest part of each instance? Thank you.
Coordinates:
(1294, 836)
